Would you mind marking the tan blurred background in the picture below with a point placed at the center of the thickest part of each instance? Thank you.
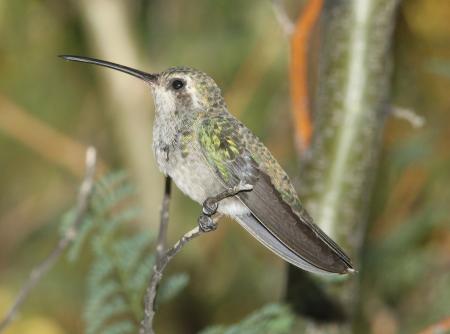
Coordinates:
(51, 110)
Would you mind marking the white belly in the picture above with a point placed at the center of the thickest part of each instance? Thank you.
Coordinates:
(196, 179)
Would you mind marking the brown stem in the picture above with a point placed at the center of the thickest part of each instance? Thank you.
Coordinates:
(163, 257)
(164, 221)
(158, 270)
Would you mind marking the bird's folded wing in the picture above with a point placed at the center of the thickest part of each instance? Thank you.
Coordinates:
(232, 164)
(309, 244)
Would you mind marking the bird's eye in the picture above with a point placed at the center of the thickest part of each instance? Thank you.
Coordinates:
(177, 84)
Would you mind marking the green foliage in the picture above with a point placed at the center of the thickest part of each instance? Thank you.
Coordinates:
(171, 287)
(271, 319)
(122, 259)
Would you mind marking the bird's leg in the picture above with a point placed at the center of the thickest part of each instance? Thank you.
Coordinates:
(210, 205)
(207, 223)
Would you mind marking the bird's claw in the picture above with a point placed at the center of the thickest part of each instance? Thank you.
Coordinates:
(211, 204)
(242, 186)
(209, 207)
(206, 223)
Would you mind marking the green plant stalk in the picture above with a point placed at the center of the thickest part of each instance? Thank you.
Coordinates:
(351, 104)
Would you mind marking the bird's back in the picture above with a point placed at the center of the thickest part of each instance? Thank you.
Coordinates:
(267, 162)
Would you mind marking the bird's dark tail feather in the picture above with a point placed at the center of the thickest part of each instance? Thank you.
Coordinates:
(257, 230)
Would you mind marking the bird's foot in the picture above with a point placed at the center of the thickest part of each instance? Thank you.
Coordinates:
(211, 204)
(230, 192)
(206, 223)
(242, 186)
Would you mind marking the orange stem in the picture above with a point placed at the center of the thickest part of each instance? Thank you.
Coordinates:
(299, 74)
(441, 327)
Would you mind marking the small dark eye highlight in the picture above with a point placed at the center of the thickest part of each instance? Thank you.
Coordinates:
(177, 84)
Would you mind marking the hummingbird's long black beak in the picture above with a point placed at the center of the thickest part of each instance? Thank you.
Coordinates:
(148, 77)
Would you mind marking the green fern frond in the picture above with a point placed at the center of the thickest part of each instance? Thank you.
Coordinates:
(110, 181)
(83, 233)
(129, 251)
(171, 287)
(67, 222)
(96, 319)
(110, 192)
(109, 226)
(123, 327)
(116, 265)
(271, 319)
(141, 274)
(107, 200)
(101, 296)
(100, 270)
(122, 262)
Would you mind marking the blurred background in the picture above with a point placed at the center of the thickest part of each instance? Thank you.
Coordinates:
(51, 110)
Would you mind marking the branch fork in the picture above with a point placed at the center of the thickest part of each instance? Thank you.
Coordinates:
(206, 223)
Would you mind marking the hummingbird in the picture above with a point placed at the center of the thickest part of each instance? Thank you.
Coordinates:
(205, 150)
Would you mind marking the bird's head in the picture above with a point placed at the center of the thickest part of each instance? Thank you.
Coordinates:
(176, 90)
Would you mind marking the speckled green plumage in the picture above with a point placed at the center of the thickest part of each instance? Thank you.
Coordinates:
(224, 139)
(219, 144)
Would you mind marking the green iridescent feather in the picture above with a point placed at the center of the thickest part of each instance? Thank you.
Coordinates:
(224, 139)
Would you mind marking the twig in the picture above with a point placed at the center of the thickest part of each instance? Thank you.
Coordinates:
(241, 187)
(150, 297)
(164, 221)
(158, 269)
(408, 115)
(40, 270)
(283, 19)
(164, 257)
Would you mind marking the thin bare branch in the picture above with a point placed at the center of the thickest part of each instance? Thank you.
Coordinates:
(163, 257)
(283, 19)
(40, 270)
(158, 269)
(164, 221)
(408, 115)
